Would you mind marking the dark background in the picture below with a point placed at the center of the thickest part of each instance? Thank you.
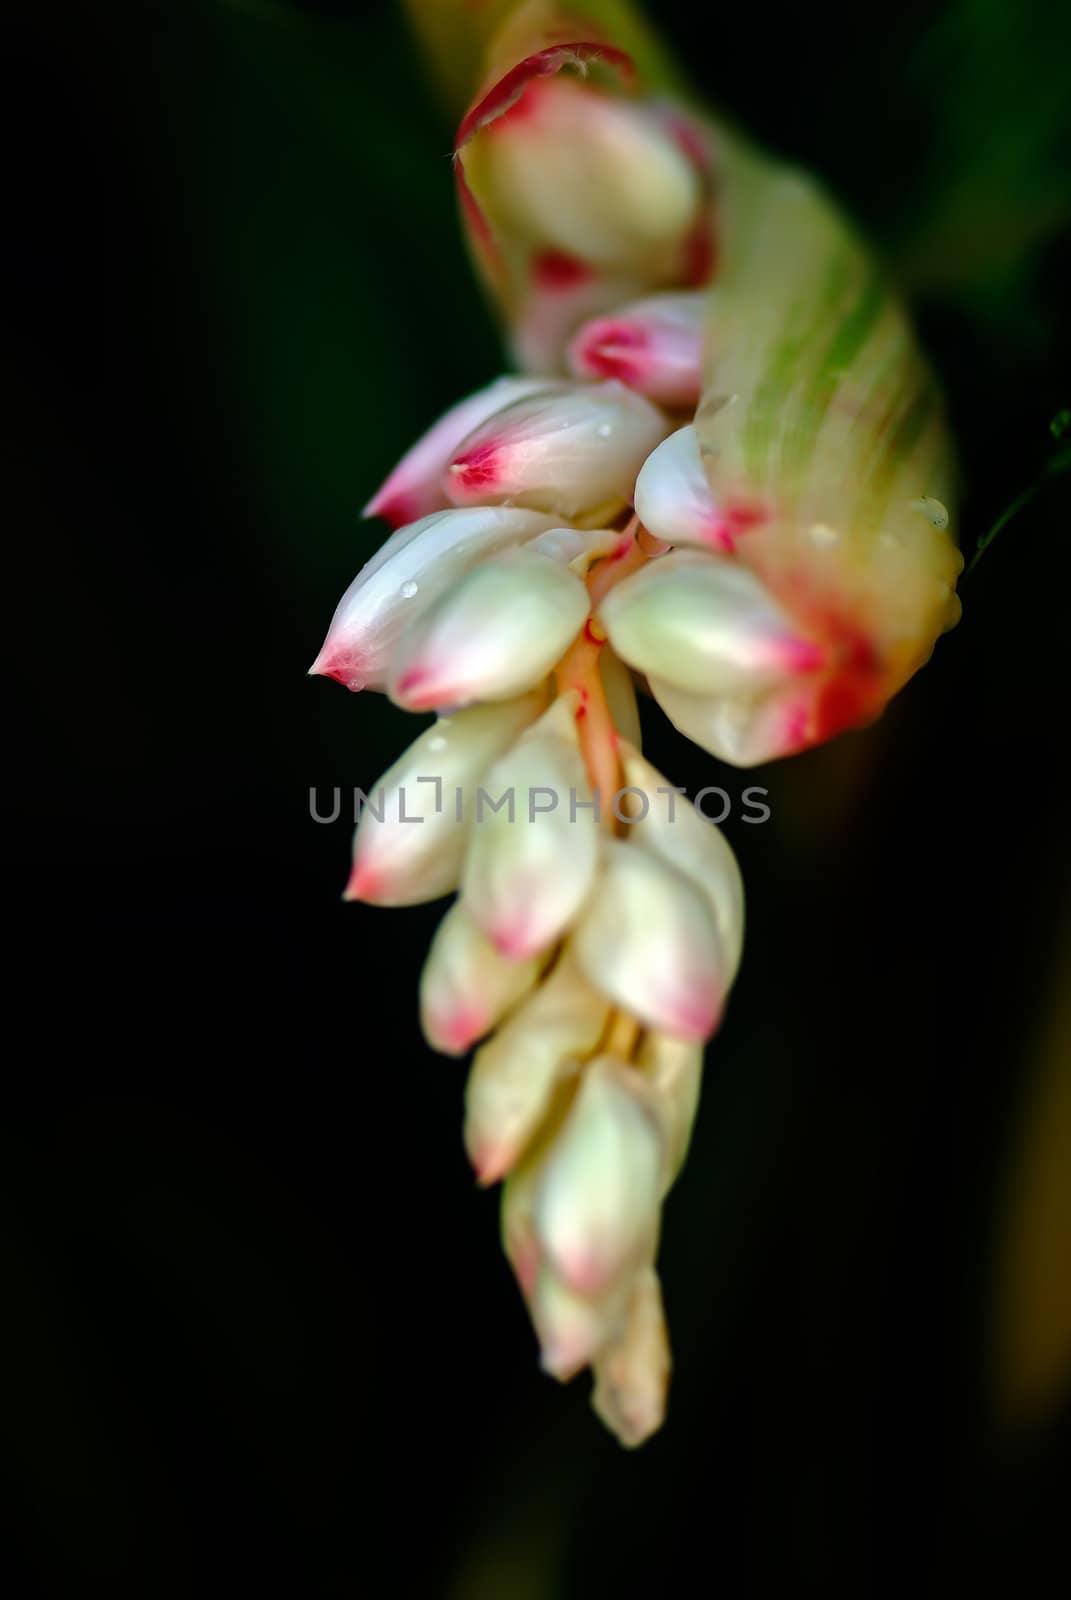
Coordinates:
(258, 1331)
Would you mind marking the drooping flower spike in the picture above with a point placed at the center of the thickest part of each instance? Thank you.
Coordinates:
(724, 468)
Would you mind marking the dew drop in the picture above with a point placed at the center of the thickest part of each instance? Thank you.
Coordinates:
(437, 744)
(355, 685)
(604, 430)
(409, 589)
(823, 535)
(933, 510)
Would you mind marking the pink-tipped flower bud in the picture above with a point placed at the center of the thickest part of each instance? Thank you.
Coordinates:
(531, 860)
(573, 1328)
(647, 938)
(414, 566)
(495, 633)
(515, 1076)
(673, 499)
(706, 626)
(414, 826)
(573, 451)
(632, 1371)
(466, 985)
(600, 1182)
(672, 828)
(655, 346)
(415, 487)
(600, 179)
(743, 729)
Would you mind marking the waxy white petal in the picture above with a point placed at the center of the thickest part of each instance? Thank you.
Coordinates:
(707, 626)
(597, 177)
(671, 826)
(673, 499)
(574, 451)
(632, 1372)
(654, 346)
(648, 939)
(466, 985)
(599, 1185)
(516, 1074)
(414, 566)
(531, 862)
(411, 836)
(414, 488)
(496, 632)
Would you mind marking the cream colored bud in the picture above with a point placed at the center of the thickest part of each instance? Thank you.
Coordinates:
(648, 939)
(572, 1328)
(466, 985)
(570, 451)
(515, 1076)
(671, 826)
(706, 626)
(672, 1070)
(493, 634)
(411, 836)
(596, 1204)
(531, 861)
(632, 1372)
(411, 569)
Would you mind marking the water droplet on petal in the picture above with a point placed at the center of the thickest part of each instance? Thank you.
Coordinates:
(823, 535)
(933, 510)
(604, 430)
(409, 589)
(437, 744)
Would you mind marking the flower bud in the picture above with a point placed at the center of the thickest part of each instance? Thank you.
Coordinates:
(632, 1372)
(414, 566)
(674, 500)
(532, 860)
(495, 633)
(572, 1328)
(654, 346)
(672, 1070)
(515, 1075)
(466, 985)
(743, 729)
(412, 834)
(597, 1195)
(648, 940)
(705, 626)
(673, 828)
(573, 451)
(414, 488)
(598, 178)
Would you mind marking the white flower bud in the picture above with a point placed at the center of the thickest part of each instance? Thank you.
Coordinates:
(673, 499)
(632, 1372)
(531, 861)
(493, 634)
(672, 1070)
(654, 346)
(599, 1185)
(596, 177)
(414, 566)
(412, 833)
(466, 985)
(671, 826)
(648, 939)
(572, 1328)
(414, 488)
(516, 1074)
(573, 451)
(742, 729)
(706, 626)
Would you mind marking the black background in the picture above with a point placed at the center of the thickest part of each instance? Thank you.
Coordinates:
(258, 1331)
